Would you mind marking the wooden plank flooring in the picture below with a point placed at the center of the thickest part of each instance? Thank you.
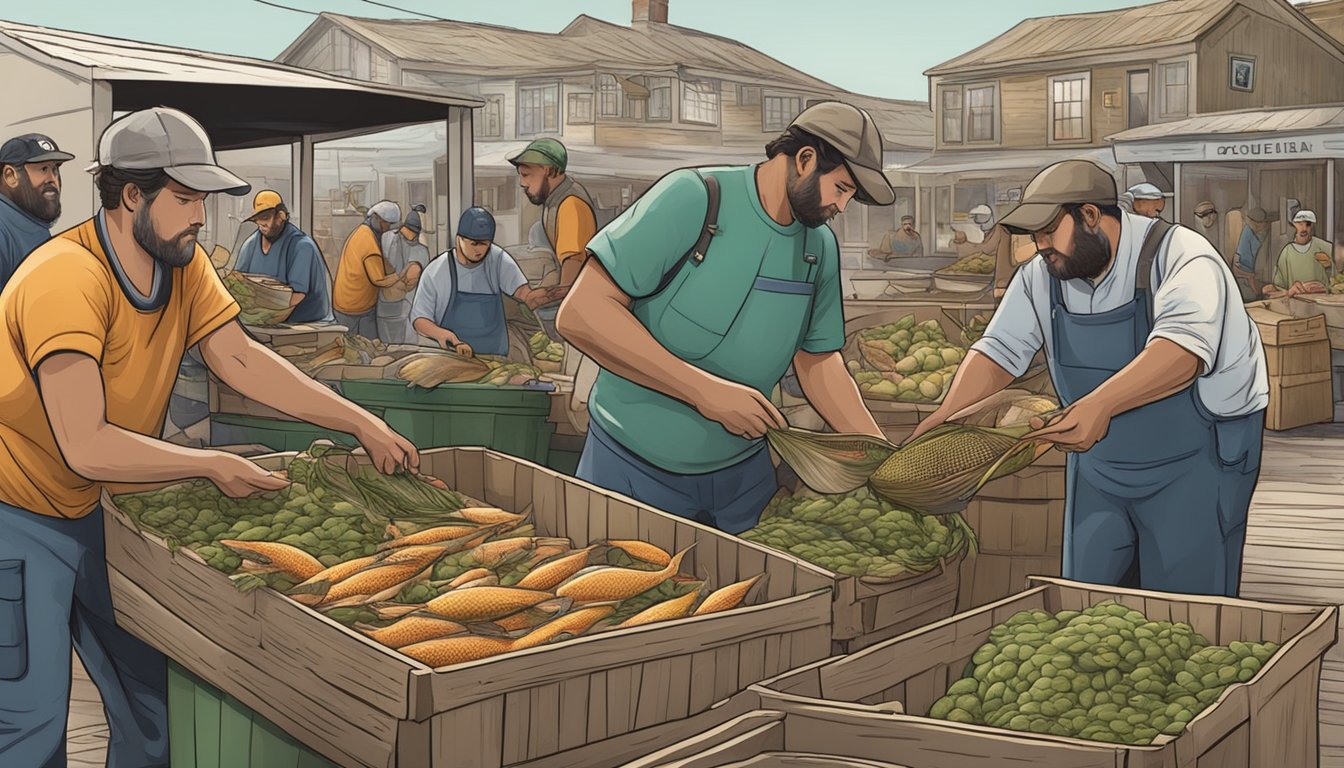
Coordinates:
(1294, 552)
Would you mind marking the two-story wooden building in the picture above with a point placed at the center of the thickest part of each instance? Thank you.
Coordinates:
(630, 102)
(1055, 88)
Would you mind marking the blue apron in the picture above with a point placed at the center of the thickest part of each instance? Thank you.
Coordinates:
(1160, 503)
(476, 318)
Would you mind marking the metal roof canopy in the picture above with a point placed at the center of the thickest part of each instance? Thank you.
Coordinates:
(242, 102)
(1245, 135)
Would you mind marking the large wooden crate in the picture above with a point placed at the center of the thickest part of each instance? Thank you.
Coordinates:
(1297, 354)
(1269, 721)
(593, 701)
(1019, 521)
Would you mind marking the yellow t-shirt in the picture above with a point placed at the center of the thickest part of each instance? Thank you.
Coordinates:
(66, 297)
(575, 225)
(361, 264)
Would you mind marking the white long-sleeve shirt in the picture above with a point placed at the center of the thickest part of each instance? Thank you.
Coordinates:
(1197, 306)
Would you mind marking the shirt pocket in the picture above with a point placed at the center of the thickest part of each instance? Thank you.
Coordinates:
(13, 624)
(702, 311)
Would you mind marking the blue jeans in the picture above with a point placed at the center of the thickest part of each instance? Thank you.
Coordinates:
(730, 499)
(54, 593)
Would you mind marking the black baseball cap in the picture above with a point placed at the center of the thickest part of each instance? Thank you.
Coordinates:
(31, 148)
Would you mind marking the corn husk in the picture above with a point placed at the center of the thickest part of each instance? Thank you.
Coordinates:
(429, 370)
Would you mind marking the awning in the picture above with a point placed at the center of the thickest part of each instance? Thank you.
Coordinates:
(1300, 133)
(991, 160)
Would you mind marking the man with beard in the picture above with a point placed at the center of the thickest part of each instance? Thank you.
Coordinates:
(567, 210)
(30, 197)
(363, 270)
(95, 324)
(460, 303)
(1161, 375)
(279, 249)
(900, 243)
(695, 303)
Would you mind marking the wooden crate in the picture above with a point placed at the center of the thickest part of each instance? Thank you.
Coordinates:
(226, 399)
(1297, 354)
(867, 611)
(1269, 721)
(350, 372)
(1019, 520)
(314, 335)
(595, 701)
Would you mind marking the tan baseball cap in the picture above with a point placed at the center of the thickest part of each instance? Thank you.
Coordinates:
(854, 134)
(1072, 182)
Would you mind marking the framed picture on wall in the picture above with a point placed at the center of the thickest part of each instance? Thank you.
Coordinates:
(1243, 73)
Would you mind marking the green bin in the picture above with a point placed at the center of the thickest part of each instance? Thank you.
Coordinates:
(276, 434)
(208, 728)
(510, 420)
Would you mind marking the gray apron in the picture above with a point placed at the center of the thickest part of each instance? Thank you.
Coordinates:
(1160, 503)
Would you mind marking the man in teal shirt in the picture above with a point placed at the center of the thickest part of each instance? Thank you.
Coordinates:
(682, 403)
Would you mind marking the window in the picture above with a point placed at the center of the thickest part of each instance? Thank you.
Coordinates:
(487, 198)
(382, 68)
(489, 120)
(635, 107)
(538, 109)
(660, 98)
(1138, 98)
(360, 59)
(608, 96)
(748, 95)
(581, 108)
(980, 106)
(700, 103)
(778, 111)
(1069, 101)
(1175, 79)
(952, 122)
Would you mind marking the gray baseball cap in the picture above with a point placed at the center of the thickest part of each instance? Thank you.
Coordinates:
(1072, 182)
(854, 134)
(168, 139)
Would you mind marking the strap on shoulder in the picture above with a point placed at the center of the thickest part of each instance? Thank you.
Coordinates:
(1152, 245)
(707, 232)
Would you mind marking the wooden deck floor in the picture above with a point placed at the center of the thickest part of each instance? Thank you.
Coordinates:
(1294, 552)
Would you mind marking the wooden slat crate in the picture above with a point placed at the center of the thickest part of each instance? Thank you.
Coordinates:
(1020, 524)
(593, 701)
(868, 611)
(1269, 721)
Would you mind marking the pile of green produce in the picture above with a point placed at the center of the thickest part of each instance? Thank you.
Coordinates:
(545, 350)
(906, 362)
(858, 534)
(262, 302)
(1104, 674)
(975, 264)
(1337, 283)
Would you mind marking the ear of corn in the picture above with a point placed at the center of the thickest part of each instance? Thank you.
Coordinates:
(642, 550)
(273, 557)
(433, 535)
(496, 553)
(475, 574)
(549, 575)
(485, 603)
(728, 597)
(830, 463)
(664, 611)
(414, 629)
(457, 649)
(607, 584)
(573, 623)
(489, 515)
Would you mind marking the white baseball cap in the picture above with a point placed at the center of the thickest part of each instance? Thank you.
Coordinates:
(1307, 216)
(387, 211)
(1145, 191)
(167, 139)
(981, 210)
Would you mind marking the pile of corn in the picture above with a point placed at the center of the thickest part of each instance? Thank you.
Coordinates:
(544, 350)
(262, 301)
(906, 362)
(350, 349)
(419, 567)
(433, 369)
(975, 264)
(858, 534)
(1104, 674)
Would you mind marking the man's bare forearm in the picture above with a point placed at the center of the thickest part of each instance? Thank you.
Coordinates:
(426, 327)
(115, 455)
(1162, 369)
(834, 394)
(977, 378)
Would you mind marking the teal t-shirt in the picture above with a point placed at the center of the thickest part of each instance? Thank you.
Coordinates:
(741, 315)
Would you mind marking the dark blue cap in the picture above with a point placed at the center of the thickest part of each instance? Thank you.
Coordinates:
(31, 148)
(476, 224)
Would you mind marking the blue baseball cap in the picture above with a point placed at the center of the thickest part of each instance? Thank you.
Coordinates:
(476, 224)
(31, 148)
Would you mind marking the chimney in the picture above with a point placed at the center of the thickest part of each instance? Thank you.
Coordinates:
(649, 11)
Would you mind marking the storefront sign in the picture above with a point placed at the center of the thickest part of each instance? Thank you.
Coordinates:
(1259, 150)
(1233, 150)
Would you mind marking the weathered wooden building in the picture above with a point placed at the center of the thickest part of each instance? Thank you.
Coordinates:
(1053, 88)
(630, 102)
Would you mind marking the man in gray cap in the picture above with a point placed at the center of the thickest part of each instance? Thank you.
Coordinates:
(460, 303)
(30, 197)
(692, 335)
(1161, 374)
(96, 325)
(1254, 264)
(363, 270)
(1146, 200)
(406, 258)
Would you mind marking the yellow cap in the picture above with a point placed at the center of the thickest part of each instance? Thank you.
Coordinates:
(266, 200)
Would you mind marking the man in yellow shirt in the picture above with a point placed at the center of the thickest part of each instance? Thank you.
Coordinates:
(93, 326)
(363, 270)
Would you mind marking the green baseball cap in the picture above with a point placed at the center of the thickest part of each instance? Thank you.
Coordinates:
(543, 152)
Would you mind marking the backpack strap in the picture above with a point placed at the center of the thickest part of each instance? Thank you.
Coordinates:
(1152, 245)
(707, 232)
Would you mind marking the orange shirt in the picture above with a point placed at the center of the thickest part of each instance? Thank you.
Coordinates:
(361, 264)
(575, 225)
(65, 297)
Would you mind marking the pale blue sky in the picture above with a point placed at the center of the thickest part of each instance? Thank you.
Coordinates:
(877, 47)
